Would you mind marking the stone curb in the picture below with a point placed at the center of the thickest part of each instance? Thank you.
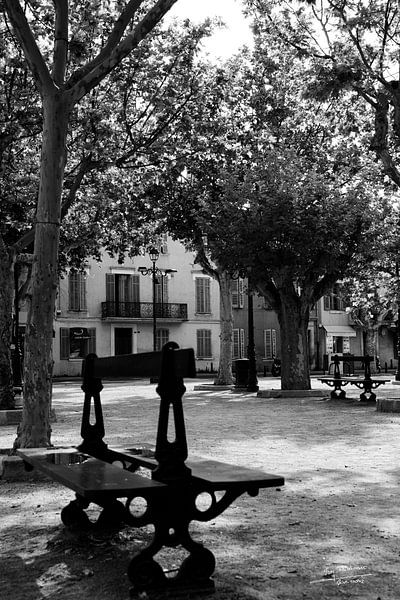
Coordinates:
(210, 387)
(12, 468)
(10, 416)
(14, 416)
(292, 394)
(388, 405)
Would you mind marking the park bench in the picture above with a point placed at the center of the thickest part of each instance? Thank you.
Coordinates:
(367, 384)
(170, 486)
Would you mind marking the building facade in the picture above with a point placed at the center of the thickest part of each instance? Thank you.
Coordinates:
(331, 330)
(107, 308)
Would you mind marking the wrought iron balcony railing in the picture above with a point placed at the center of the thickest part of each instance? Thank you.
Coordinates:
(143, 310)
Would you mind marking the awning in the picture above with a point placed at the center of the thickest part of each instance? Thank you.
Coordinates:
(340, 330)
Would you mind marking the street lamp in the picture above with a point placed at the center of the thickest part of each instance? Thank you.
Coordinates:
(397, 374)
(252, 381)
(16, 363)
(153, 271)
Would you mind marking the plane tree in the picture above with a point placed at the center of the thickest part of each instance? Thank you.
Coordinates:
(105, 35)
(113, 144)
(278, 187)
(354, 50)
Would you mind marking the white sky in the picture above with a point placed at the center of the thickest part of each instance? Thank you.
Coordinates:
(226, 41)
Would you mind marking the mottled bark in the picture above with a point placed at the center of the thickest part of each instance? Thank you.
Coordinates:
(293, 320)
(226, 318)
(370, 341)
(58, 98)
(6, 297)
(34, 429)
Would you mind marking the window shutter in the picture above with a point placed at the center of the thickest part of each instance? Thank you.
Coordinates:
(242, 353)
(135, 292)
(77, 291)
(236, 344)
(64, 343)
(202, 292)
(162, 338)
(273, 331)
(92, 340)
(82, 291)
(327, 302)
(110, 287)
(241, 295)
(72, 297)
(204, 343)
(268, 343)
(164, 244)
(235, 293)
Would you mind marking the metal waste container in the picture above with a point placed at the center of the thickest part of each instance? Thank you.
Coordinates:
(241, 372)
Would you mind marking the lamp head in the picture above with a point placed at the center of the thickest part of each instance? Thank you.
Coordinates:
(154, 254)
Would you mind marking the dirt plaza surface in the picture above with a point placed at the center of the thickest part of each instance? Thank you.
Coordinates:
(333, 530)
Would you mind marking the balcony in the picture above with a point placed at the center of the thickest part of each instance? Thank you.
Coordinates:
(143, 310)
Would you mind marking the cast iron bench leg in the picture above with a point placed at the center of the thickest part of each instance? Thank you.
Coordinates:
(171, 514)
(338, 392)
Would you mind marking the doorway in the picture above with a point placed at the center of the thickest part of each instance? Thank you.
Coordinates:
(123, 340)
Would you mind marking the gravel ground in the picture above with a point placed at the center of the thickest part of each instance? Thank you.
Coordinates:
(331, 532)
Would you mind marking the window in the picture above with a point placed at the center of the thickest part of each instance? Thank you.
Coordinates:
(122, 294)
(269, 343)
(161, 290)
(77, 342)
(77, 291)
(238, 344)
(162, 338)
(203, 303)
(204, 343)
(164, 244)
(334, 300)
(266, 303)
(237, 293)
(122, 288)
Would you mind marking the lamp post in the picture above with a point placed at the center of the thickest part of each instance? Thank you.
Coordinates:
(153, 272)
(16, 364)
(397, 374)
(252, 383)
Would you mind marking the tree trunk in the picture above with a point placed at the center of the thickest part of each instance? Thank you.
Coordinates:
(34, 429)
(371, 339)
(293, 320)
(226, 317)
(6, 297)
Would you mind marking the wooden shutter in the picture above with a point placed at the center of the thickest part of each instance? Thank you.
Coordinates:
(203, 300)
(110, 287)
(241, 336)
(91, 346)
(268, 343)
(204, 343)
(135, 288)
(235, 293)
(236, 344)
(273, 332)
(64, 343)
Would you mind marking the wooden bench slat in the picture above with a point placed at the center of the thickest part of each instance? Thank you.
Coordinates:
(91, 477)
(225, 476)
(218, 475)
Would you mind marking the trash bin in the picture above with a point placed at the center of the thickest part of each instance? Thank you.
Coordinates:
(241, 372)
